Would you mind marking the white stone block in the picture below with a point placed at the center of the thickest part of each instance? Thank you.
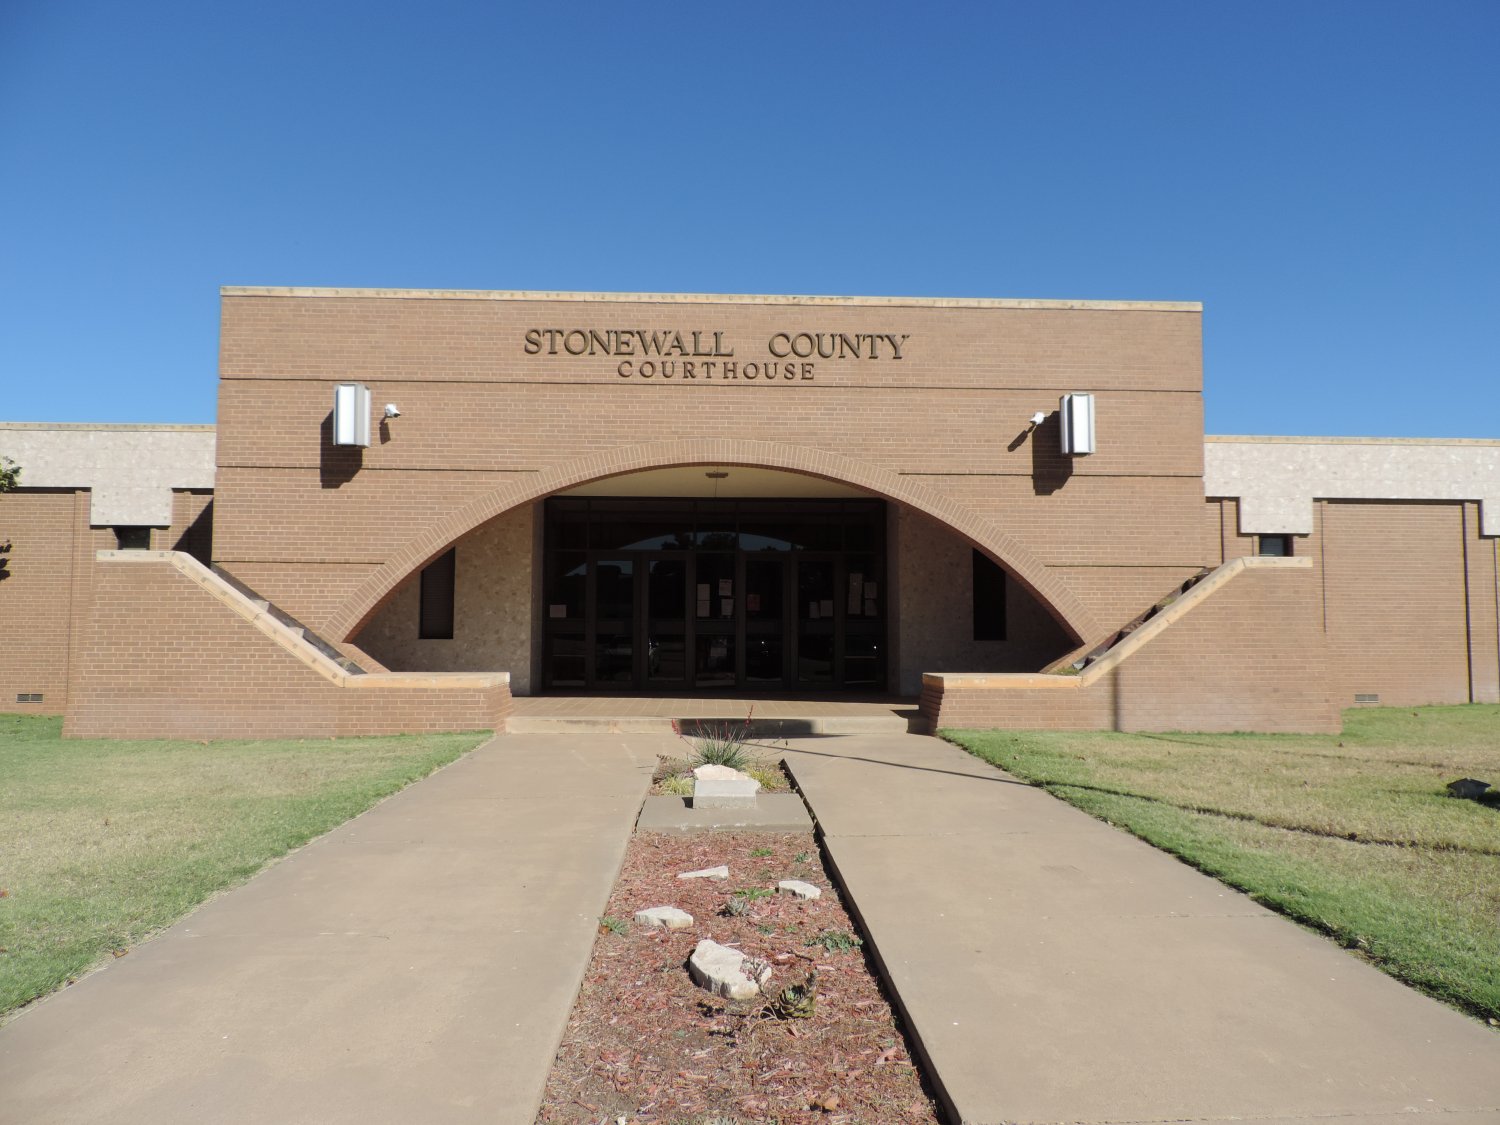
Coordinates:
(718, 773)
(720, 872)
(722, 971)
(719, 787)
(664, 917)
(799, 888)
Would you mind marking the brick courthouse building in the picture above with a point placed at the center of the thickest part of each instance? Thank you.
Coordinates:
(673, 494)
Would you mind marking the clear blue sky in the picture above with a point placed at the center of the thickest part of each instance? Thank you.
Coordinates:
(1324, 176)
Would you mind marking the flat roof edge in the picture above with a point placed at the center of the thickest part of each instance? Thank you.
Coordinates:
(1245, 439)
(198, 427)
(703, 298)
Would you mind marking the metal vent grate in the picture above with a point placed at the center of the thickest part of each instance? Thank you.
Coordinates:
(1358, 698)
(28, 697)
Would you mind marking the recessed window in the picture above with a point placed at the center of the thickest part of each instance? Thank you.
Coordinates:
(133, 538)
(1276, 546)
(989, 600)
(436, 612)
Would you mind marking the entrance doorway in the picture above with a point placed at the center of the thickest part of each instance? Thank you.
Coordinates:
(672, 595)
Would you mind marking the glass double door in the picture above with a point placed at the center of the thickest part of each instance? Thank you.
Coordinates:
(665, 621)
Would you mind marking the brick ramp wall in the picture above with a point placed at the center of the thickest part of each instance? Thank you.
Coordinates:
(1242, 650)
(172, 651)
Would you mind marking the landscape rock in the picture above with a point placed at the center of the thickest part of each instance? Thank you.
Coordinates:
(720, 872)
(724, 971)
(799, 888)
(719, 787)
(665, 917)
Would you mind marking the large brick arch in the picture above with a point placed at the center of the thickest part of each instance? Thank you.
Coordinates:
(1024, 566)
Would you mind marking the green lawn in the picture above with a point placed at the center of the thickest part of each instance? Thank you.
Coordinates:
(104, 842)
(1352, 834)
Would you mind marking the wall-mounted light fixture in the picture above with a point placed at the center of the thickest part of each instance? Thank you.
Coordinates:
(351, 414)
(1077, 414)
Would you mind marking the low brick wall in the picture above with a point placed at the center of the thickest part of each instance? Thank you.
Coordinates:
(1244, 650)
(172, 651)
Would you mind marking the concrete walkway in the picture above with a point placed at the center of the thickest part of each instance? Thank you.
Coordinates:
(1055, 969)
(417, 964)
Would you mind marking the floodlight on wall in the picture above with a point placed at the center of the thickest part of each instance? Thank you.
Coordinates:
(1077, 415)
(351, 414)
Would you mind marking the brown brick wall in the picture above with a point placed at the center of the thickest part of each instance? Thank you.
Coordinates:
(163, 659)
(192, 529)
(1224, 536)
(1250, 655)
(480, 415)
(307, 592)
(1394, 581)
(1482, 556)
(47, 531)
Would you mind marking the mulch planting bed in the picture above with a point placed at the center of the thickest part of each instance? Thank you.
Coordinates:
(647, 1045)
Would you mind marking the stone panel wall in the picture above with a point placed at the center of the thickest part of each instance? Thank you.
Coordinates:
(936, 583)
(492, 609)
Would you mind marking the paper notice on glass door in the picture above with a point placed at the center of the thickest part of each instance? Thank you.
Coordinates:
(825, 607)
(726, 607)
(856, 587)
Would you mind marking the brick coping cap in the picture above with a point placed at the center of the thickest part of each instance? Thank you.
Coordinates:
(1249, 439)
(703, 298)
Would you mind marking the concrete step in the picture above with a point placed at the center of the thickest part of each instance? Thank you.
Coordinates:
(896, 722)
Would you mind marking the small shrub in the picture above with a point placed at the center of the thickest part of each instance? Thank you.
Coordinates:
(612, 925)
(757, 853)
(837, 941)
(742, 901)
(722, 750)
(770, 777)
(800, 857)
(677, 785)
(719, 744)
